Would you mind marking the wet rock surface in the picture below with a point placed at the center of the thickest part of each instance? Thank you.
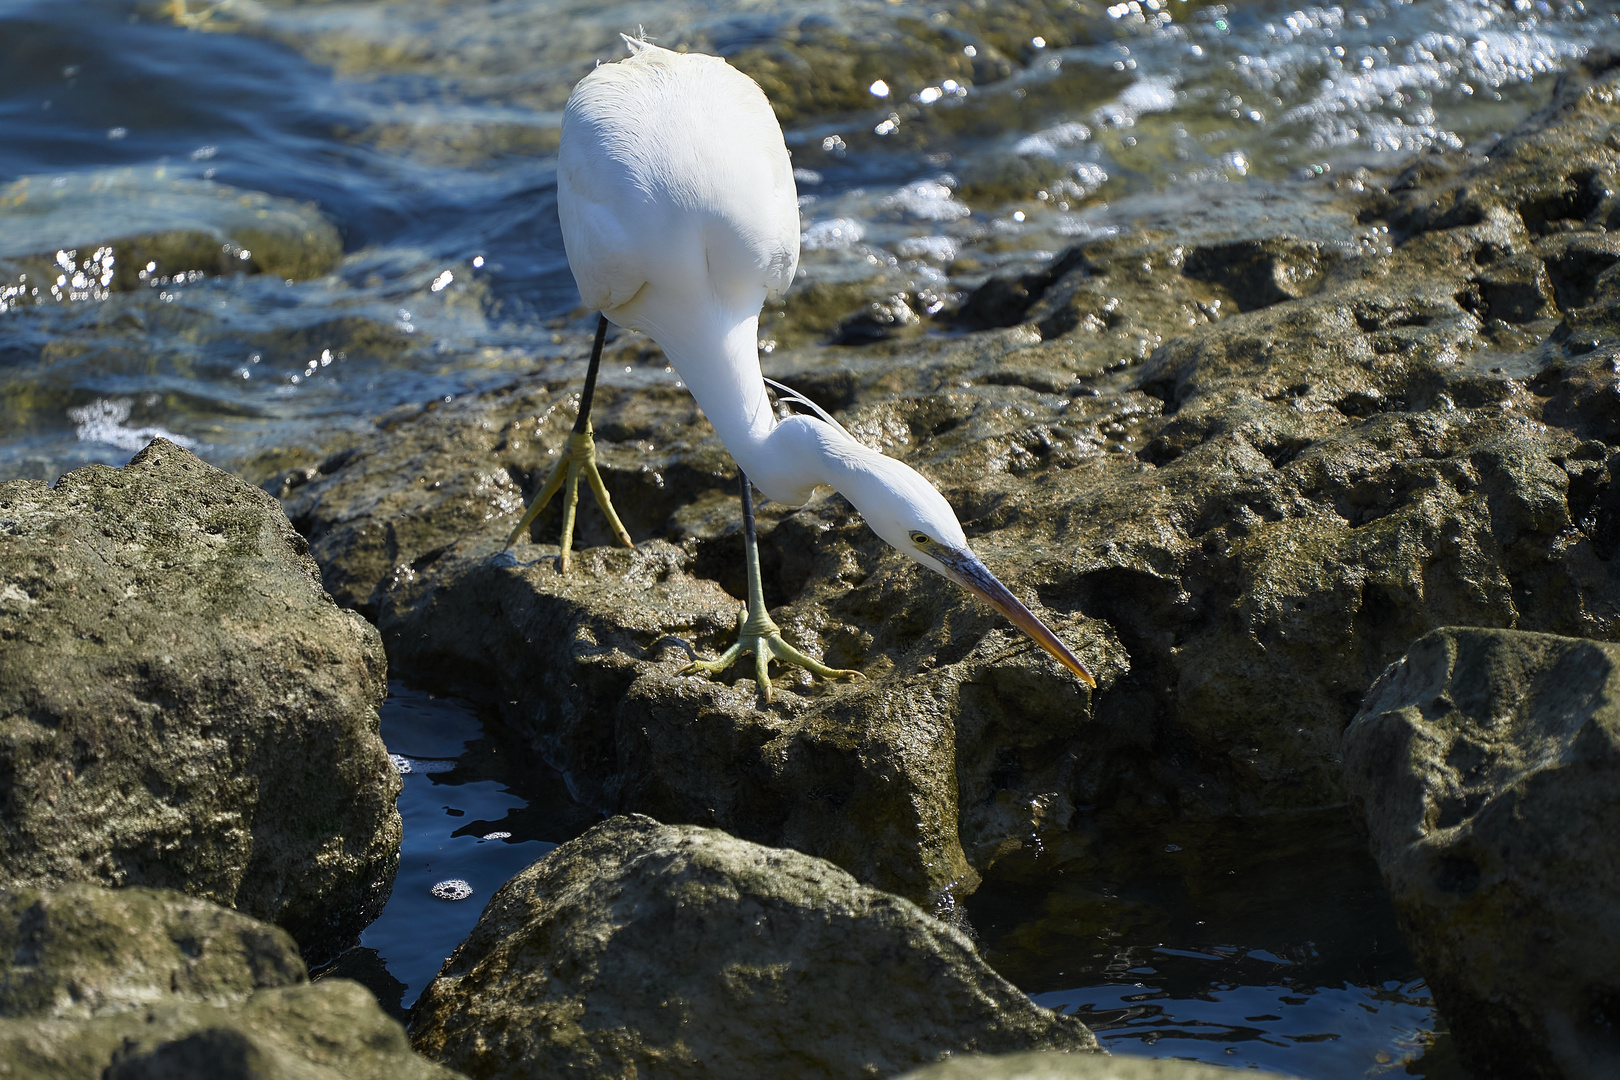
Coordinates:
(1485, 763)
(641, 948)
(121, 230)
(182, 705)
(138, 982)
(810, 63)
(1039, 1066)
(1239, 477)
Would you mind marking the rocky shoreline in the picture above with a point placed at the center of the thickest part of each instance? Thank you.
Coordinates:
(1258, 484)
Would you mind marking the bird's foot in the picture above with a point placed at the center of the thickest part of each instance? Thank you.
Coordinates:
(578, 459)
(758, 634)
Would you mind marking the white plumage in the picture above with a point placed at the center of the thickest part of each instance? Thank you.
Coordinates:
(680, 218)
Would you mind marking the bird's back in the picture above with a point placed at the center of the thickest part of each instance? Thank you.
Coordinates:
(673, 179)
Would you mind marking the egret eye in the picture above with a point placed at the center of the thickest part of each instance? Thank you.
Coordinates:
(921, 539)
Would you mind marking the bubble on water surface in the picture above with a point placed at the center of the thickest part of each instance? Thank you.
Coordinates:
(498, 835)
(454, 889)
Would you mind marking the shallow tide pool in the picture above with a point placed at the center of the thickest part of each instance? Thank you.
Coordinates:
(1269, 946)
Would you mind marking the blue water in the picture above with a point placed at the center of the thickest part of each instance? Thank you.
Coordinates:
(423, 131)
(465, 784)
(1297, 1030)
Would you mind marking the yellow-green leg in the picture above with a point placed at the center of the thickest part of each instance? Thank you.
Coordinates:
(578, 459)
(757, 633)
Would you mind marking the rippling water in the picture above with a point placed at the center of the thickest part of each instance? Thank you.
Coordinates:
(422, 132)
(255, 224)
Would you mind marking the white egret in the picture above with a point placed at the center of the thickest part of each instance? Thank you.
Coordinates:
(680, 217)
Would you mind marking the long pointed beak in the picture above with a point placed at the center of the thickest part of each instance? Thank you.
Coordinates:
(977, 579)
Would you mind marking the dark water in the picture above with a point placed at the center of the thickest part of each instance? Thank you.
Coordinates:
(422, 132)
(1267, 944)
(476, 810)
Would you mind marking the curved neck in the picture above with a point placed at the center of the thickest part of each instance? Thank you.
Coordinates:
(718, 359)
(728, 387)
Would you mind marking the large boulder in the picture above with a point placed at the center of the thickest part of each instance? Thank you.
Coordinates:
(183, 705)
(1487, 765)
(679, 951)
(146, 983)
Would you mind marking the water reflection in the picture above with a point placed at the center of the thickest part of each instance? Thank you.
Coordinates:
(1246, 1020)
(475, 813)
(1254, 943)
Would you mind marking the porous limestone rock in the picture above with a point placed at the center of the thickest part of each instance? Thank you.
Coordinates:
(678, 951)
(183, 705)
(79, 951)
(331, 1030)
(1239, 476)
(149, 983)
(1487, 765)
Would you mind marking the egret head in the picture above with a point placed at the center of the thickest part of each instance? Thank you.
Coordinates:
(913, 517)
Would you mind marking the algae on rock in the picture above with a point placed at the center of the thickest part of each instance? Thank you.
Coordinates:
(1487, 765)
(678, 951)
(150, 984)
(331, 1030)
(78, 951)
(182, 704)
(127, 229)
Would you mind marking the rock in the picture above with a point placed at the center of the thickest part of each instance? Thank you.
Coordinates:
(425, 558)
(181, 703)
(136, 982)
(809, 63)
(679, 950)
(1046, 1066)
(121, 230)
(1238, 518)
(1486, 763)
(332, 1030)
(80, 951)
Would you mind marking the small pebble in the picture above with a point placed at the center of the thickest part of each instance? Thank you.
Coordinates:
(454, 889)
